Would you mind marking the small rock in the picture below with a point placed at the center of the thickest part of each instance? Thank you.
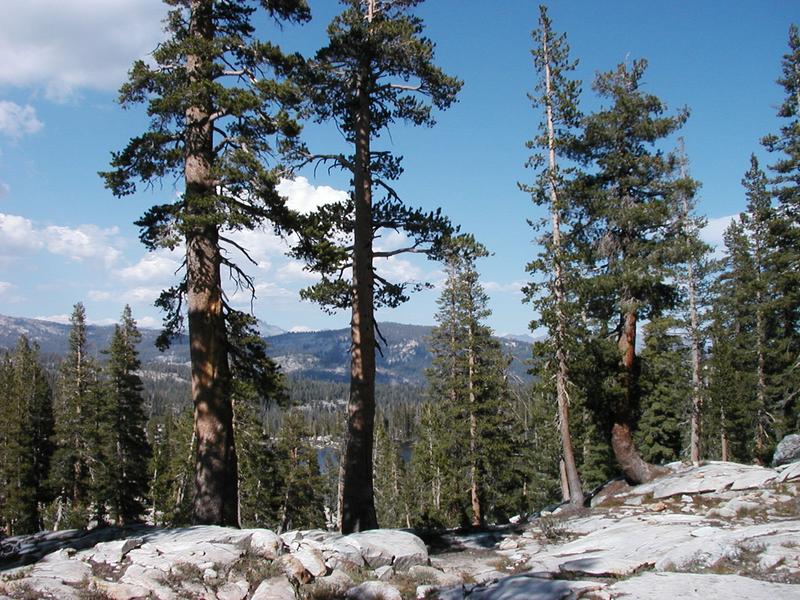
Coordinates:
(384, 573)
(686, 498)
(341, 552)
(233, 591)
(336, 584)
(293, 569)
(266, 544)
(658, 507)
(374, 590)
(721, 513)
(276, 588)
(509, 544)
(311, 559)
(112, 553)
(291, 537)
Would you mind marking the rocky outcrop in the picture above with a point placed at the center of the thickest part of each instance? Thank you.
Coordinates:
(205, 562)
(717, 531)
(737, 525)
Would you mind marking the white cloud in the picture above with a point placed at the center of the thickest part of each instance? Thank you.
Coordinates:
(398, 269)
(99, 296)
(294, 270)
(18, 234)
(154, 267)
(85, 242)
(714, 231)
(17, 121)
(270, 290)
(301, 329)
(390, 239)
(261, 245)
(61, 47)
(304, 197)
(82, 243)
(514, 288)
(142, 295)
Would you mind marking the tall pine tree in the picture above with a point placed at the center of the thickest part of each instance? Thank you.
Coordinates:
(74, 463)
(693, 274)
(124, 448)
(732, 365)
(467, 380)
(376, 69)
(26, 402)
(216, 110)
(785, 147)
(557, 96)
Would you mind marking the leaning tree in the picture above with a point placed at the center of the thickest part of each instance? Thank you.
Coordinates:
(628, 199)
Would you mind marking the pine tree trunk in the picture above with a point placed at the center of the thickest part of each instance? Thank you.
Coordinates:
(357, 499)
(635, 469)
(475, 496)
(694, 333)
(562, 374)
(216, 497)
(724, 443)
(697, 390)
(761, 383)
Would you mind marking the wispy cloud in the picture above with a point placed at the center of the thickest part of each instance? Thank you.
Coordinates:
(17, 121)
(514, 287)
(154, 267)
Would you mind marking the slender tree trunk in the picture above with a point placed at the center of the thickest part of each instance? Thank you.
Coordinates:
(697, 385)
(560, 339)
(724, 443)
(356, 488)
(635, 469)
(695, 450)
(761, 383)
(474, 488)
(216, 497)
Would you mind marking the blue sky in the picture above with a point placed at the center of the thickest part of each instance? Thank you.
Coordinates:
(64, 238)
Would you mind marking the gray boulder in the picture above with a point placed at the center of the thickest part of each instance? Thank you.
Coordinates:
(277, 588)
(374, 590)
(788, 450)
(381, 547)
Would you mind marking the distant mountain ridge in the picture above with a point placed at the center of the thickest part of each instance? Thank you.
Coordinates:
(310, 354)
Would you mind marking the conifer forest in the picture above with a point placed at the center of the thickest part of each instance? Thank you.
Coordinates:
(651, 347)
